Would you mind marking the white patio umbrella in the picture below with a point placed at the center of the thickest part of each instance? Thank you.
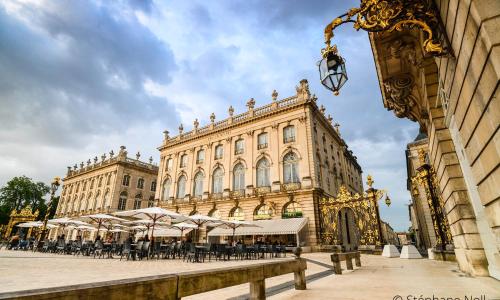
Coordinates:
(35, 224)
(236, 224)
(183, 226)
(101, 219)
(201, 220)
(117, 230)
(63, 223)
(155, 214)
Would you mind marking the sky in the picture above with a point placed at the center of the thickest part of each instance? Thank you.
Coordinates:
(80, 78)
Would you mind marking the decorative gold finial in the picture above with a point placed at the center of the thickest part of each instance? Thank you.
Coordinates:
(369, 180)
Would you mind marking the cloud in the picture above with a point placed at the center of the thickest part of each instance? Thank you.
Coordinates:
(80, 78)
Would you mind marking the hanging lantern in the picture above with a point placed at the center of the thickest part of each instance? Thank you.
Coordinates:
(332, 69)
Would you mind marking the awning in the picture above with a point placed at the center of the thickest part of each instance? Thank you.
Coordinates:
(169, 232)
(267, 227)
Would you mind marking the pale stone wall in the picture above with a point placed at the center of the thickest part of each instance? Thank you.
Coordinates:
(471, 111)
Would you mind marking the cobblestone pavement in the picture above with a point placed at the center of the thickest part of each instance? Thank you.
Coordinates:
(378, 278)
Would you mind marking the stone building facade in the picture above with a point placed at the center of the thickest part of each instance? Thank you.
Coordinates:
(273, 161)
(107, 185)
(455, 99)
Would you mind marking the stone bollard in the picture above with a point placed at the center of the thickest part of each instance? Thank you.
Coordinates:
(258, 290)
(337, 269)
(348, 262)
(357, 259)
(300, 280)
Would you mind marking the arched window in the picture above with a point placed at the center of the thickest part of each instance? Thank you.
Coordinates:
(200, 156)
(181, 187)
(166, 190)
(214, 213)
(122, 202)
(198, 185)
(290, 168)
(239, 177)
(137, 201)
(140, 183)
(263, 212)
(236, 214)
(218, 178)
(292, 210)
(263, 173)
(107, 200)
(151, 201)
(153, 186)
(289, 134)
(97, 201)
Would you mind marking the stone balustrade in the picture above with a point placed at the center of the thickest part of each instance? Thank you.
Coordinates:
(175, 286)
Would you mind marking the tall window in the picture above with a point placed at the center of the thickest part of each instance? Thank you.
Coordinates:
(184, 161)
(100, 182)
(169, 164)
(153, 186)
(200, 156)
(181, 187)
(263, 173)
(218, 177)
(97, 201)
(92, 184)
(151, 201)
(137, 201)
(80, 203)
(77, 188)
(108, 180)
(122, 202)
(140, 183)
(239, 146)
(289, 134)
(262, 141)
(198, 185)
(88, 204)
(84, 186)
(239, 177)
(290, 168)
(126, 180)
(219, 152)
(166, 190)
(83, 204)
(106, 202)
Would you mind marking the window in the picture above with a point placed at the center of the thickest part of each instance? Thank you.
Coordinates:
(137, 201)
(236, 214)
(292, 210)
(83, 205)
(263, 212)
(153, 186)
(151, 201)
(169, 164)
(200, 156)
(81, 202)
(218, 177)
(239, 146)
(100, 182)
(126, 180)
(92, 184)
(140, 183)
(108, 180)
(219, 152)
(239, 177)
(122, 203)
(181, 187)
(106, 202)
(84, 186)
(198, 185)
(289, 134)
(184, 160)
(290, 168)
(97, 201)
(263, 173)
(77, 188)
(166, 190)
(214, 213)
(262, 141)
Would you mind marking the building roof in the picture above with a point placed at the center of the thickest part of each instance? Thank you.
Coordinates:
(267, 227)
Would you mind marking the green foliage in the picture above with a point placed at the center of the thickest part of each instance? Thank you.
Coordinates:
(20, 192)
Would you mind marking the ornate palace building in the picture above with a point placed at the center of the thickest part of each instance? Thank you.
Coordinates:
(108, 185)
(270, 162)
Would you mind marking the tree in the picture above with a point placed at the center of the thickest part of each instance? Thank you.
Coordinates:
(20, 192)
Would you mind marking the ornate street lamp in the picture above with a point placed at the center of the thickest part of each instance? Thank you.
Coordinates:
(53, 188)
(376, 16)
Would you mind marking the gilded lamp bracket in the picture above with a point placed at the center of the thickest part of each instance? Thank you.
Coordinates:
(393, 15)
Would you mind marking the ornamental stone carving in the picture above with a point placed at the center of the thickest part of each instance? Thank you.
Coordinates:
(399, 97)
(303, 90)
